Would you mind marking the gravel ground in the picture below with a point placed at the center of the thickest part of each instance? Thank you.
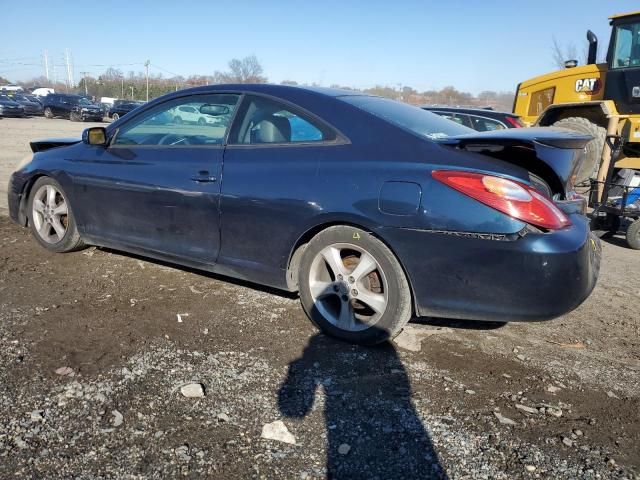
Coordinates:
(98, 348)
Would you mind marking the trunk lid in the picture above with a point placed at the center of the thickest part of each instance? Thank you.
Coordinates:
(552, 154)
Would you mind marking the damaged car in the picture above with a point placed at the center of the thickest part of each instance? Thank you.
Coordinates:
(374, 211)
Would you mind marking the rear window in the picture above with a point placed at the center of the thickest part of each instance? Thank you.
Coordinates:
(414, 119)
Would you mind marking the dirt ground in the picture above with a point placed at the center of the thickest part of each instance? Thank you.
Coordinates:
(447, 399)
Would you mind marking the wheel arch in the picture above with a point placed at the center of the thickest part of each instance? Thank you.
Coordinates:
(595, 112)
(23, 218)
(295, 255)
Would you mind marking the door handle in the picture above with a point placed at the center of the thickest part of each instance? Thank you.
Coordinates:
(203, 177)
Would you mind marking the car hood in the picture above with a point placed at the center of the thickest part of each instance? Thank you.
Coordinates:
(42, 145)
(555, 154)
(9, 103)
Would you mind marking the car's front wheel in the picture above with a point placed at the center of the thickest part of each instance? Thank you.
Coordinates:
(115, 117)
(50, 218)
(353, 287)
(48, 113)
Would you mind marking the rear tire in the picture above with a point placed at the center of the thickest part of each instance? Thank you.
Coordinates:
(50, 217)
(48, 113)
(353, 287)
(589, 169)
(633, 234)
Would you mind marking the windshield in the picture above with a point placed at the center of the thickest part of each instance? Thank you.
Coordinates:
(414, 119)
(83, 101)
(627, 46)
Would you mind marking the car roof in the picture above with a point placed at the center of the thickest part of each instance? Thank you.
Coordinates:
(268, 88)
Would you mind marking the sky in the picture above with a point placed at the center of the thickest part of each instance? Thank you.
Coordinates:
(428, 44)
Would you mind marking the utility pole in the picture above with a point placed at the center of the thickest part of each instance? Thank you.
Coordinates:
(68, 64)
(122, 81)
(131, 87)
(146, 64)
(46, 64)
(84, 80)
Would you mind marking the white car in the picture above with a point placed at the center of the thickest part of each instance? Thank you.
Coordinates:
(191, 114)
(42, 92)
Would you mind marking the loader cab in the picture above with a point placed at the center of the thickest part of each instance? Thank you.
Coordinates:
(622, 83)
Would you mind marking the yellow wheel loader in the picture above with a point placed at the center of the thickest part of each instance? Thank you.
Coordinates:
(602, 100)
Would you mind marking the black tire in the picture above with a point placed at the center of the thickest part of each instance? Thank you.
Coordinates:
(115, 117)
(71, 240)
(202, 121)
(633, 234)
(74, 117)
(177, 120)
(48, 113)
(398, 308)
(589, 169)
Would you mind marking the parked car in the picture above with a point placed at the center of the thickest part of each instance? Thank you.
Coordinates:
(30, 107)
(191, 114)
(10, 108)
(42, 92)
(33, 98)
(480, 119)
(73, 107)
(376, 211)
(122, 108)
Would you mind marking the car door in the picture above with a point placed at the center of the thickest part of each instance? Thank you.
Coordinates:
(156, 186)
(55, 104)
(269, 185)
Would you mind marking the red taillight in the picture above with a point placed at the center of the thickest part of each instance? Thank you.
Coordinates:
(507, 196)
(515, 122)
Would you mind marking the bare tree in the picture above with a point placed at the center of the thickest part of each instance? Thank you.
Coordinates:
(246, 70)
(563, 53)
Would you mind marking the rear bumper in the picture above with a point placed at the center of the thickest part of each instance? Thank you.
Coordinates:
(534, 277)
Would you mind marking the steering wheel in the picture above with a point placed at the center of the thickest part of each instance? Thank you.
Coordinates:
(173, 139)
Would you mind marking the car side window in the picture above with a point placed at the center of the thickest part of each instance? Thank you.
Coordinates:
(205, 122)
(268, 121)
(483, 124)
(455, 117)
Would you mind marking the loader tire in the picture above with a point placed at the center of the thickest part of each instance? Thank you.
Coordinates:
(591, 164)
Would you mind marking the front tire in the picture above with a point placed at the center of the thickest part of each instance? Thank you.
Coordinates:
(74, 117)
(48, 113)
(177, 120)
(353, 287)
(50, 217)
(589, 168)
(633, 234)
(115, 117)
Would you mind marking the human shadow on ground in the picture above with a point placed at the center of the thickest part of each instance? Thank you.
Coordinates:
(367, 405)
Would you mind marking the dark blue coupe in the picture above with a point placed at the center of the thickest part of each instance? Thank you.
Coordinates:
(371, 209)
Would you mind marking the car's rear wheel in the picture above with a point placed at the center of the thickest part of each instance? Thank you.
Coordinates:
(50, 218)
(202, 121)
(352, 286)
(48, 113)
(115, 117)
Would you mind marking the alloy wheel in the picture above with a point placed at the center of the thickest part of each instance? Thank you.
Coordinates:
(50, 214)
(348, 287)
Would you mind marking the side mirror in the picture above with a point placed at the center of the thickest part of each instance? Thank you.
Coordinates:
(95, 136)
(214, 110)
